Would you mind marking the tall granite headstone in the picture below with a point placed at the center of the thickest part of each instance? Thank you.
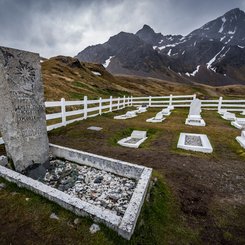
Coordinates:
(195, 108)
(22, 110)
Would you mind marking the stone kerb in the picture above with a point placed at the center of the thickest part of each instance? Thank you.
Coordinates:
(123, 225)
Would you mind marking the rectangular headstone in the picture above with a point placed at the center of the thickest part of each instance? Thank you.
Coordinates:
(195, 107)
(22, 110)
(138, 134)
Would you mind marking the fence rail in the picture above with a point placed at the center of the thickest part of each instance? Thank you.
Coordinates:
(90, 108)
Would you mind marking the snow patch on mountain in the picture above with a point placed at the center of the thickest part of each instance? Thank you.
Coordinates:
(108, 61)
(196, 71)
(222, 38)
(232, 32)
(229, 40)
(214, 58)
(222, 26)
(171, 45)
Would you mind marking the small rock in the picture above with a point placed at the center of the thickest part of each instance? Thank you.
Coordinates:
(54, 216)
(3, 161)
(94, 228)
(77, 221)
(98, 180)
(114, 197)
(2, 186)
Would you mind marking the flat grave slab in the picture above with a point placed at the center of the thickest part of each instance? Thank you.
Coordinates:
(229, 116)
(135, 140)
(194, 142)
(194, 117)
(94, 128)
(158, 118)
(241, 139)
(129, 114)
(195, 122)
(239, 123)
(109, 191)
(166, 112)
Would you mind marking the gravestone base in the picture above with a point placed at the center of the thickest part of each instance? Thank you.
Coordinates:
(135, 140)
(195, 122)
(238, 125)
(123, 223)
(241, 141)
(194, 142)
(154, 120)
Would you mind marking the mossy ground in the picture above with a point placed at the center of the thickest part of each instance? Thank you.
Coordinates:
(198, 198)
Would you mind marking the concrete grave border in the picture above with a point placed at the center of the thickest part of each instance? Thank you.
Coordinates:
(229, 116)
(241, 139)
(238, 123)
(123, 142)
(94, 128)
(123, 225)
(206, 146)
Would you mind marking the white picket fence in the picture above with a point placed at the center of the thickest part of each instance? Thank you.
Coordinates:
(91, 108)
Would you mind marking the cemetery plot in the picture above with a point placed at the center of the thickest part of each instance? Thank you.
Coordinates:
(239, 123)
(194, 117)
(94, 128)
(129, 114)
(158, 118)
(108, 190)
(229, 116)
(241, 139)
(135, 140)
(195, 142)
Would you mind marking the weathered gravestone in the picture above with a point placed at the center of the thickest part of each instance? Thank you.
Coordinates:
(195, 108)
(194, 117)
(22, 111)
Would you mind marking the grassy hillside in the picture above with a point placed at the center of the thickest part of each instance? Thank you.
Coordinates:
(68, 78)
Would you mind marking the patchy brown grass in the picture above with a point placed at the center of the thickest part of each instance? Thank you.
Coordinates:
(68, 78)
(200, 182)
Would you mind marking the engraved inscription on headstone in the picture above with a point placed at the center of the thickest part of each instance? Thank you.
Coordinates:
(22, 110)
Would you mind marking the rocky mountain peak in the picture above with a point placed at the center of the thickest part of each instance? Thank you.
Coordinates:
(148, 35)
(214, 51)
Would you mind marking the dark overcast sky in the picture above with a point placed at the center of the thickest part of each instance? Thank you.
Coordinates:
(52, 27)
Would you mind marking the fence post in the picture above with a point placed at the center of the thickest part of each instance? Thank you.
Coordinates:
(118, 103)
(100, 106)
(124, 101)
(110, 103)
(220, 103)
(63, 111)
(149, 101)
(131, 100)
(170, 100)
(85, 107)
(128, 103)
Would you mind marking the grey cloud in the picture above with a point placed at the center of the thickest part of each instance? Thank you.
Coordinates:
(53, 27)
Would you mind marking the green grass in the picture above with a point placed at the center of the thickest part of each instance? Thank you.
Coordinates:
(159, 223)
(162, 220)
